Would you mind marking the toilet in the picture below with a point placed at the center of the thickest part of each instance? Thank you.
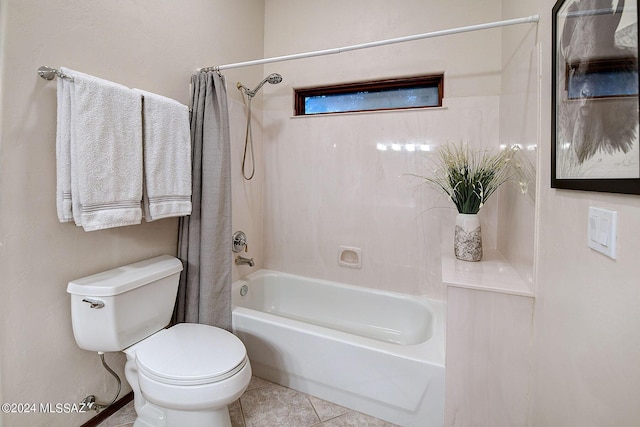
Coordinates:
(182, 376)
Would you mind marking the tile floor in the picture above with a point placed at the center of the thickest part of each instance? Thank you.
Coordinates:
(266, 404)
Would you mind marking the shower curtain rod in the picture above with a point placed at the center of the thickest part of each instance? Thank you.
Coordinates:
(516, 21)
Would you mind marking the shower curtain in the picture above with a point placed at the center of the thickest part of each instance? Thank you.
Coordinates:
(204, 239)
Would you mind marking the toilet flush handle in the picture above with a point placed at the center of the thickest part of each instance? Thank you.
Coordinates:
(94, 302)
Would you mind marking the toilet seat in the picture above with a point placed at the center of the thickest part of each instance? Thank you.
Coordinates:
(190, 354)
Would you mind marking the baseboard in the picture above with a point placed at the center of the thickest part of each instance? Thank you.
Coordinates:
(106, 413)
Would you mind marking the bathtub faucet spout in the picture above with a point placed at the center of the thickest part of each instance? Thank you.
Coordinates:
(240, 260)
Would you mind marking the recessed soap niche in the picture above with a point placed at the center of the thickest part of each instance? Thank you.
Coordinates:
(350, 257)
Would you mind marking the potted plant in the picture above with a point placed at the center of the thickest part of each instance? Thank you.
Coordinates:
(469, 177)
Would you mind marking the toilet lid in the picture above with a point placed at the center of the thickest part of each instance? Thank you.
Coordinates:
(190, 354)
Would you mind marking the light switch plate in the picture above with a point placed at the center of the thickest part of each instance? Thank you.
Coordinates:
(602, 230)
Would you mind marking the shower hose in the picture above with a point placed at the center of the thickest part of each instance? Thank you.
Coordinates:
(248, 142)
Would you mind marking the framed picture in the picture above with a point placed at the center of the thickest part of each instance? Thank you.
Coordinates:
(595, 114)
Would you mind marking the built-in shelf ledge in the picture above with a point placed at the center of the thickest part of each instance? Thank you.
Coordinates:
(492, 274)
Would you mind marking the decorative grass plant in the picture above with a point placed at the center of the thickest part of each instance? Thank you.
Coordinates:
(470, 177)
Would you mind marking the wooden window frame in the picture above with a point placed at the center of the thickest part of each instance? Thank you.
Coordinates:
(431, 80)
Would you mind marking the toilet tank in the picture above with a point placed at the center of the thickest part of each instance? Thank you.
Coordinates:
(115, 309)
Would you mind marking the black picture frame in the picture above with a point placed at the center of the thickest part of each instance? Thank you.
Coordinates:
(595, 112)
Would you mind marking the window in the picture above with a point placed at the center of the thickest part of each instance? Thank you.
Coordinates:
(391, 94)
(602, 78)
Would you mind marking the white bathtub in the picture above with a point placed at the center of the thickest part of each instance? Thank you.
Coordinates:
(375, 352)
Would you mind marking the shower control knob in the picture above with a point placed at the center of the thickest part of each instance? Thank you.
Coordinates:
(239, 241)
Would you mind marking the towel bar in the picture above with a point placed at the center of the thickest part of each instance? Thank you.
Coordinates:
(49, 73)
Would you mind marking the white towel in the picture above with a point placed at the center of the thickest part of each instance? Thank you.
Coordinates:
(106, 153)
(167, 157)
(63, 152)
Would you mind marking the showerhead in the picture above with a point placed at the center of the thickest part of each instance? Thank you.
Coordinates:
(273, 79)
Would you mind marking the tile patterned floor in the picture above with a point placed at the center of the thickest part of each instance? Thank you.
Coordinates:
(266, 404)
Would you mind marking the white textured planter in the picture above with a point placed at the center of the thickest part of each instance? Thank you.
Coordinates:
(468, 238)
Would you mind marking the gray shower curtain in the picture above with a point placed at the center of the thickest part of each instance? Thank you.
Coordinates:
(204, 239)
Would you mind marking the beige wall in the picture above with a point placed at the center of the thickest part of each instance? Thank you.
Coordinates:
(3, 27)
(586, 315)
(150, 44)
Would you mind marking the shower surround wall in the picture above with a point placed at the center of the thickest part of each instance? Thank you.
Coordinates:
(520, 100)
(246, 196)
(154, 45)
(327, 181)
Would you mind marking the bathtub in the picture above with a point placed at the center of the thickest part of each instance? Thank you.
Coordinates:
(375, 352)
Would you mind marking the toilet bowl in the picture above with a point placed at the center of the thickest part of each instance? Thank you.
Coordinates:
(182, 376)
(187, 375)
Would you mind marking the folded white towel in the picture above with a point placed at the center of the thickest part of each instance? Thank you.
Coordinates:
(63, 152)
(167, 157)
(106, 153)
